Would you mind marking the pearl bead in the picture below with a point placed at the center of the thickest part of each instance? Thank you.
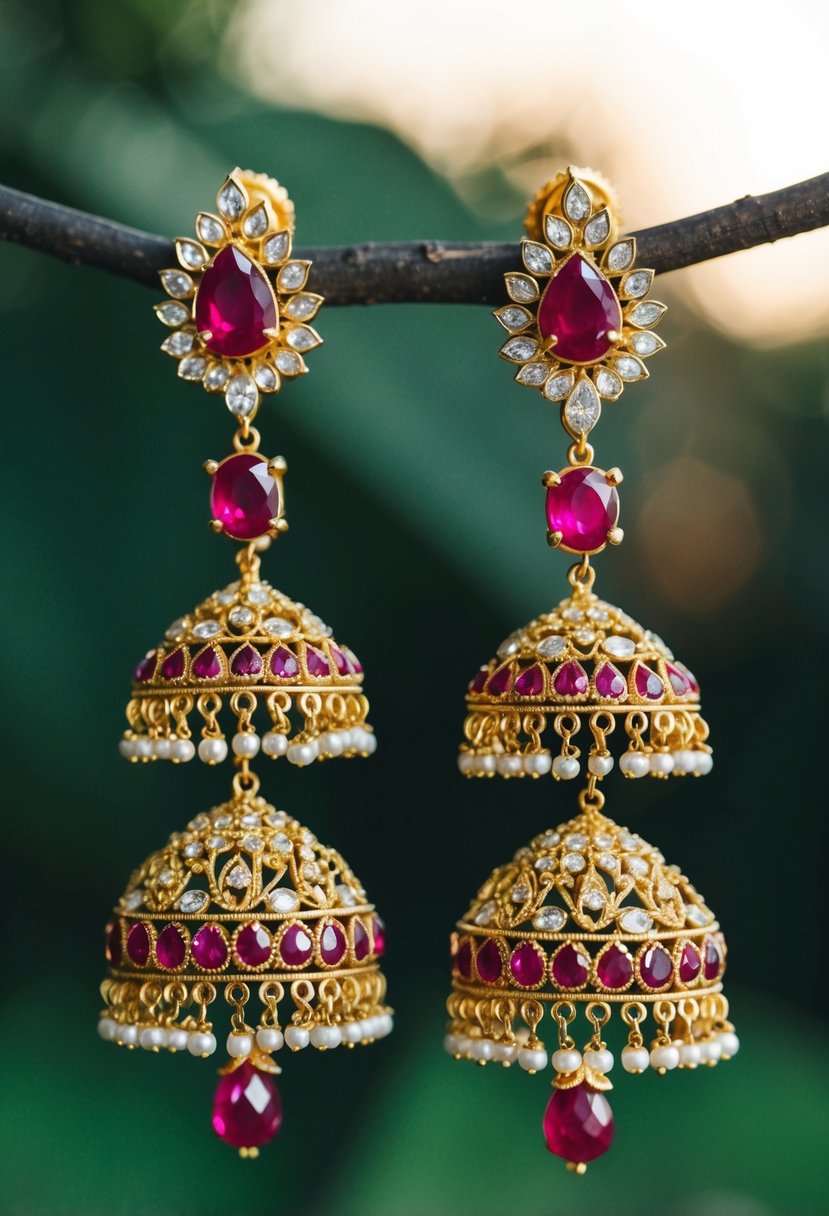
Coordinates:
(482, 1049)
(200, 1043)
(634, 764)
(331, 743)
(532, 1059)
(635, 1059)
(463, 1045)
(352, 1032)
(509, 766)
(268, 1038)
(386, 1024)
(347, 739)
(301, 754)
(274, 744)
(326, 1037)
(599, 766)
(486, 763)
(601, 1060)
(125, 748)
(370, 743)
(182, 750)
(729, 1044)
(705, 762)
(177, 1040)
(662, 762)
(128, 1035)
(246, 744)
(538, 764)
(143, 748)
(296, 1037)
(689, 1055)
(710, 1051)
(161, 749)
(212, 751)
(566, 1059)
(107, 1028)
(664, 1056)
(239, 1044)
(151, 1038)
(683, 762)
(506, 1052)
(565, 768)
(466, 762)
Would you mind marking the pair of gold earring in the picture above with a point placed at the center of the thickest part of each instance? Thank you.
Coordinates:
(588, 917)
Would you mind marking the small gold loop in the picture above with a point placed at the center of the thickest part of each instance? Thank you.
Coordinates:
(590, 798)
(245, 782)
(246, 438)
(582, 575)
(633, 1014)
(580, 452)
(597, 1013)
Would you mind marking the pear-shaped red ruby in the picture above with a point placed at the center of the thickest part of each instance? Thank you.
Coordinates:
(580, 309)
(234, 305)
(578, 1124)
(247, 1109)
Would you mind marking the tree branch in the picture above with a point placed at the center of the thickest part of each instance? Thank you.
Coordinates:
(422, 271)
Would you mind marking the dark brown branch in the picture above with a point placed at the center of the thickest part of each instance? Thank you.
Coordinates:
(422, 271)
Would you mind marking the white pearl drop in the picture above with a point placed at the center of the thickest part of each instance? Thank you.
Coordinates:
(705, 762)
(326, 1036)
(239, 1045)
(486, 763)
(143, 748)
(482, 1049)
(532, 1059)
(177, 1040)
(331, 743)
(635, 1059)
(683, 762)
(296, 1037)
(662, 762)
(274, 744)
(182, 750)
(507, 1053)
(352, 1032)
(538, 764)
(664, 1056)
(463, 1045)
(370, 743)
(268, 1038)
(729, 1044)
(301, 754)
(152, 1037)
(107, 1028)
(200, 1043)
(710, 1050)
(601, 1060)
(565, 768)
(634, 764)
(347, 739)
(566, 1059)
(599, 766)
(212, 751)
(162, 748)
(245, 744)
(128, 1035)
(125, 748)
(689, 1055)
(509, 766)
(465, 762)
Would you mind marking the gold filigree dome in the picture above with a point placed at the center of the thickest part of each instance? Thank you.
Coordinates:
(249, 648)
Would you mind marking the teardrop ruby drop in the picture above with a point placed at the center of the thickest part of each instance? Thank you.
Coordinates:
(247, 1109)
(235, 305)
(578, 1124)
(579, 308)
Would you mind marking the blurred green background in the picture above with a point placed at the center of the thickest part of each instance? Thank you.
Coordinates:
(417, 530)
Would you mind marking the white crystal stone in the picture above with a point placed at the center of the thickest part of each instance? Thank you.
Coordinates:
(276, 248)
(223, 821)
(603, 840)
(620, 255)
(510, 645)
(608, 862)
(231, 201)
(551, 647)
(584, 637)
(576, 202)
(166, 878)
(292, 276)
(636, 283)
(217, 377)
(486, 913)
(256, 224)
(192, 368)
(620, 648)
(545, 863)
(558, 386)
(627, 841)
(608, 384)
(629, 367)
(177, 284)
(346, 895)
(645, 343)
(302, 307)
(173, 313)
(283, 899)
(278, 627)
(647, 313)
(551, 919)
(520, 893)
(257, 594)
(239, 877)
(240, 616)
(574, 862)
(537, 258)
(194, 849)
(302, 338)
(513, 317)
(206, 629)
(211, 230)
(549, 840)
(283, 844)
(265, 377)
(583, 408)
(277, 819)
(216, 842)
(558, 232)
(635, 920)
(191, 254)
(179, 343)
(594, 900)
(576, 841)
(695, 915)
(597, 230)
(571, 613)
(519, 349)
(133, 900)
(288, 363)
(241, 396)
(638, 866)
(193, 901)
(252, 844)
(520, 287)
(174, 632)
(533, 374)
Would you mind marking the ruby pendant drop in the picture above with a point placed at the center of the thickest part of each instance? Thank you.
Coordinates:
(578, 1124)
(247, 1109)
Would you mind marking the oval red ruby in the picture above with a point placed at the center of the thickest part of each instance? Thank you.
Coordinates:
(332, 944)
(580, 309)
(138, 944)
(615, 968)
(489, 962)
(578, 1124)
(170, 948)
(253, 945)
(689, 963)
(296, 946)
(244, 496)
(209, 948)
(571, 966)
(582, 508)
(235, 305)
(656, 967)
(362, 945)
(527, 965)
(316, 662)
(247, 1110)
(712, 960)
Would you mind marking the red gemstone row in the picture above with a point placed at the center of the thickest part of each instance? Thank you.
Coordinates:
(251, 945)
(655, 967)
(248, 662)
(571, 681)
